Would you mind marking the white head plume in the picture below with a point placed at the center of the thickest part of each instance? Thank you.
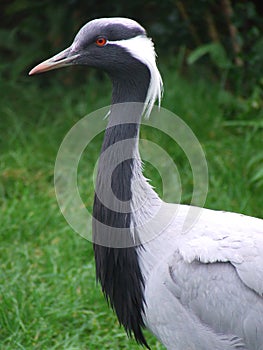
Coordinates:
(142, 48)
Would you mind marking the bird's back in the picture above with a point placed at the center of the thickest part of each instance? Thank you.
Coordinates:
(210, 282)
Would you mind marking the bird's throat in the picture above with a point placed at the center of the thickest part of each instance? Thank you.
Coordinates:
(119, 159)
(116, 246)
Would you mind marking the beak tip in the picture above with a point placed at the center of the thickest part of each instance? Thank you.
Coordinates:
(35, 70)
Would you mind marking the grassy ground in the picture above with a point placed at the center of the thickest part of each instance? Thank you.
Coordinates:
(48, 295)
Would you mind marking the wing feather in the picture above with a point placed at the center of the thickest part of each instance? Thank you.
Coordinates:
(228, 237)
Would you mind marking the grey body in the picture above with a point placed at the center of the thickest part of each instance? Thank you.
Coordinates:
(199, 296)
(195, 290)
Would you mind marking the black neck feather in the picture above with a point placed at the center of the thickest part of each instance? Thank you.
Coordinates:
(117, 269)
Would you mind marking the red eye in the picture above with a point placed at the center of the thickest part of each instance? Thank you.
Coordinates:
(101, 41)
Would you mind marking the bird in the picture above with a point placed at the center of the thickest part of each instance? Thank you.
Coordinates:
(197, 290)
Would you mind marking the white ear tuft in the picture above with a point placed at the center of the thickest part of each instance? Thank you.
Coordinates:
(142, 48)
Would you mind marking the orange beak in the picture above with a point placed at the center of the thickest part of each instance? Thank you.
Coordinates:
(62, 59)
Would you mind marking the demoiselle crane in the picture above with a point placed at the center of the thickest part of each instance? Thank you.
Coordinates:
(201, 290)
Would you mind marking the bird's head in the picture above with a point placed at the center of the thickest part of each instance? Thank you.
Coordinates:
(101, 43)
(114, 45)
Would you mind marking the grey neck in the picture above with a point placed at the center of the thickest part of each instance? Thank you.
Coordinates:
(120, 164)
(120, 145)
(116, 246)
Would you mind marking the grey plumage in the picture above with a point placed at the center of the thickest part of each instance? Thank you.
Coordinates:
(200, 290)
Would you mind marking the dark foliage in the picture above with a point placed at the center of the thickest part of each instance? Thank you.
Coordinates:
(31, 31)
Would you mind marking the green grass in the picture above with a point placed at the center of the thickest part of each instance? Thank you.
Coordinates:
(48, 295)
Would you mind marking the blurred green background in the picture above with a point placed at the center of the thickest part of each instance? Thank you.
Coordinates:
(210, 54)
(227, 35)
